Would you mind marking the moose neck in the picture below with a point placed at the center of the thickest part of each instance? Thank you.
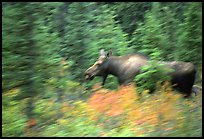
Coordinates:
(112, 65)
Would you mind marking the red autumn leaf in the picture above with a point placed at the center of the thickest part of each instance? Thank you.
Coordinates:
(31, 122)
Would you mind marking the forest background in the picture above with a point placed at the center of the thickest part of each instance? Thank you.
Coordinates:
(46, 47)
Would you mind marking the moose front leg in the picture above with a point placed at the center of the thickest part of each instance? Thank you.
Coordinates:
(104, 80)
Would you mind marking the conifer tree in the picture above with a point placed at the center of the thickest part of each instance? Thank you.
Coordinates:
(150, 39)
(190, 35)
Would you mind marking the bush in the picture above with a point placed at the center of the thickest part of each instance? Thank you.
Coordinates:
(164, 113)
(151, 74)
(13, 119)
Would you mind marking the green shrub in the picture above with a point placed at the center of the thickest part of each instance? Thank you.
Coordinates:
(13, 119)
(152, 73)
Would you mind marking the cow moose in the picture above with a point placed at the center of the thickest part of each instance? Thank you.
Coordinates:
(125, 68)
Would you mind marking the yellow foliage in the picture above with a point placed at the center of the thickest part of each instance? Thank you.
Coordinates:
(62, 122)
(50, 103)
(65, 107)
(12, 93)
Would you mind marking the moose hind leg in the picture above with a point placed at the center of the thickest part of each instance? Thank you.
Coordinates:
(186, 89)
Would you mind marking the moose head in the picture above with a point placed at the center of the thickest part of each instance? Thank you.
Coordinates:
(99, 67)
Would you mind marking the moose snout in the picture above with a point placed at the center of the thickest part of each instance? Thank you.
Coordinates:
(85, 74)
(88, 76)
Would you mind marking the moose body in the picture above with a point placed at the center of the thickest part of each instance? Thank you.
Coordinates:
(182, 76)
(125, 68)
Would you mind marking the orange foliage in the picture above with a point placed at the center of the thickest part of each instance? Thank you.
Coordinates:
(157, 109)
(29, 127)
(112, 103)
(31, 122)
(65, 107)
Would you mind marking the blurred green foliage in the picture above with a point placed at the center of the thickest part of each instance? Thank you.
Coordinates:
(152, 74)
(46, 47)
(13, 117)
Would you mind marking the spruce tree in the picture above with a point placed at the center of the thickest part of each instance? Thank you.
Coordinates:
(190, 35)
(148, 37)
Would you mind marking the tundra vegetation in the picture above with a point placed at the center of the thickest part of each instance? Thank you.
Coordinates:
(47, 47)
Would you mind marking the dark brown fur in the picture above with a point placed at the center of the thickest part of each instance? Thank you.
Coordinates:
(183, 76)
(125, 68)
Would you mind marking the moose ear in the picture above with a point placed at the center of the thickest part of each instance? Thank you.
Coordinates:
(109, 53)
(102, 52)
